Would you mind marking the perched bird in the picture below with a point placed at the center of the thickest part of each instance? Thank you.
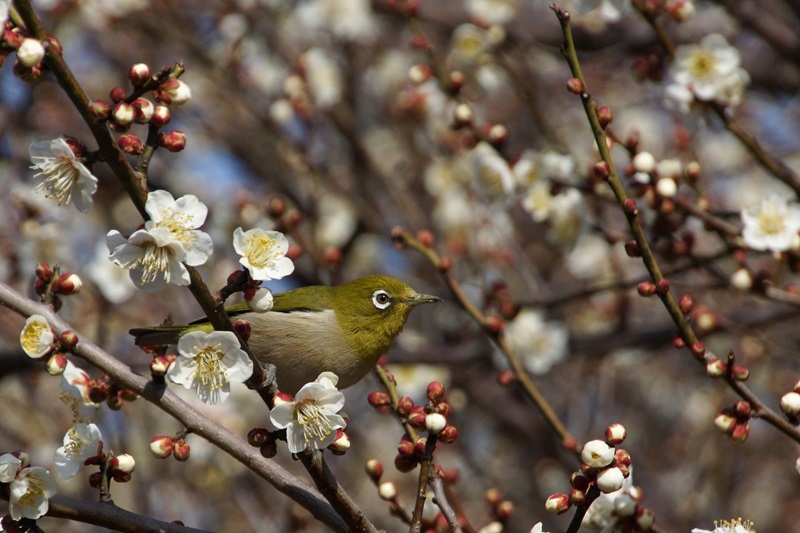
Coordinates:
(343, 329)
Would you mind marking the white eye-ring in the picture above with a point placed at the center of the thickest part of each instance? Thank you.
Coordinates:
(381, 299)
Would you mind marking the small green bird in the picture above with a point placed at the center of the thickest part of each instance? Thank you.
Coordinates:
(310, 330)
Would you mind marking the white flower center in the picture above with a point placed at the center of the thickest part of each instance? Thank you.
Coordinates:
(313, 420)
(178, 223)
(156, 259)
(76, 444)
(209, 370)
(702, 64)
(259, 250)
(31, 337)
(60, 174)
(771, 222)
(34, 494)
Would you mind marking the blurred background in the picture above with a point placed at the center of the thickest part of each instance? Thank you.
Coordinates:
(333, 107)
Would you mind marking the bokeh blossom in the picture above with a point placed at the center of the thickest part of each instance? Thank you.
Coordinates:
(772, 225)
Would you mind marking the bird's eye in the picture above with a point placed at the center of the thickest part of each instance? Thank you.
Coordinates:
(381, 299)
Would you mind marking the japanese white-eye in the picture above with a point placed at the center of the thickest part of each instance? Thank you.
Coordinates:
(310, 330)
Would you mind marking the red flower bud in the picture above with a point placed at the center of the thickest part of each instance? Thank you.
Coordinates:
(374, 469)
(161, 116)
(646, 288)
(130, 144)
(181, 450)
(404, 405)
(686, 303)
(435, 391)
(44, 272)
(632, 249)
(605, 116)
(575, 86)
(379, 399)
(173, 141)
(449, 434)
(139, 74)
(601, 169)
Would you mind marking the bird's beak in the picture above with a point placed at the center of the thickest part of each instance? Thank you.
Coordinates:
(421, 299)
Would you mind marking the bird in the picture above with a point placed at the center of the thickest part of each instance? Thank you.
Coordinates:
(343, 329)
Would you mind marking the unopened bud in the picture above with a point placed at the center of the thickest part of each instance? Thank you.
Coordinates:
(143, 110)
(67, 284)
(175, 92)
(629, 207)
(462, 115)
(742, 280)
(374, 469)
(644, 162)
(448, 435)
(435, 423)
(605, 116)
(601, 169)
(405, 463)
(506, 378)
(419, 74)
(161, 446)
(117, 94)
(257, 436)
(504, 510)
(100, 110)
(139, 74)
(577, 497)
(30, 52)
(181, 450)
(716, 367)
(340, 444)
(123, 463)
(379, 399)
(259, 300)
(740, 372)
(742, 408)
(575, 86)
(632, 249)
(130, 144)
(172, 141)
(646, 288)
(122, 113)
(243, 329)
(404, 405)
(725, 421)
(387, 491)
(740, 432)
(610, 480)
(426, 238)
(790, 404)
(557, 503)
(435, 391)
(685, 304)
(69, 339)
(161, 116)
(417, 417)
(615, 434)
(662, 287)
(698, 349)
(56, 364)
(44, 272)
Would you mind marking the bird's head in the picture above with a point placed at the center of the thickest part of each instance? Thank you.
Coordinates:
(372, 311)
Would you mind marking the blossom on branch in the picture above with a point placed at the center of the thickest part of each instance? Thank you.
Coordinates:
(81, 442)
(311, 419)
(30, 487)
(208, 363)
(64, 177)
(773, 225)
(263, 253)
(36, 337)
(155, 255)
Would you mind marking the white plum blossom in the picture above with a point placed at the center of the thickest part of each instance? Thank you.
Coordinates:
(323, 78)
(263, 253)
(155, 255)
(114, 282)
(492, 175)
(81, 442)
(711, 70)
(208, 363)
(773, 225)
(728, 526)
(75, 393)
(604, 511)
(29, 489)
(352, 20)
(597, 454)
(311, 418)
(65, 178)
(491, 12)
(538, 344)
(609, 10)
(36, 337)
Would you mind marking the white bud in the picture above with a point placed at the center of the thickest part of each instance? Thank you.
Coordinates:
(492, 527)
(644, 162)
(742, 279)
(624, 505)
(123, 113)
(261, 300)
(180, 93)
(124, 463)
(610, 480)
(597, 454)
(669, 168)
(387, 491)
(30, 52)
(435, 423)
(790, 403)
(666, 187)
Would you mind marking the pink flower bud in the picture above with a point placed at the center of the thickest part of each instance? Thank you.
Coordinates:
(504, 510)
(605, 116)
(557, 503)
(69, 339)
(258, 436)
(44, 272)
(742, 408)
(56, 364)
(100, 110)
(724, 422)
(172, 141)
(161, 447)
(575, 86)
(405, 463)
(629, 207)
(243, 328)
(740, 372)
(645, 518)
(175, 92)
(161, 116)
(374, 469)
(122, 113)
(444, 409)
(686, 303)
(740, 432)
(646, 288)
(632, 249)
(716, 367)
(579, 481)
(181, 450)
(379, 399)
(662, 287)
(698, 349)
(117, 94)
(139, 74)
(67, 284)
(130, 144)
(404, 405)
(435, 391)
(577, 497)
(417, 417)
(601, 169)
(143, 110)
(448, 434)
(615, 434)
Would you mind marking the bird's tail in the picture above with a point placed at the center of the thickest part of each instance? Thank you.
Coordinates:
(157, 335)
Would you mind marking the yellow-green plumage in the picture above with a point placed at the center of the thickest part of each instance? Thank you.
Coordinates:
(343, 329)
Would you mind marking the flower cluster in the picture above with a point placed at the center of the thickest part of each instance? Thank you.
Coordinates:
(605, 468)
(29, 487)
(155, 255)
(708, 71)
(735, 421)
